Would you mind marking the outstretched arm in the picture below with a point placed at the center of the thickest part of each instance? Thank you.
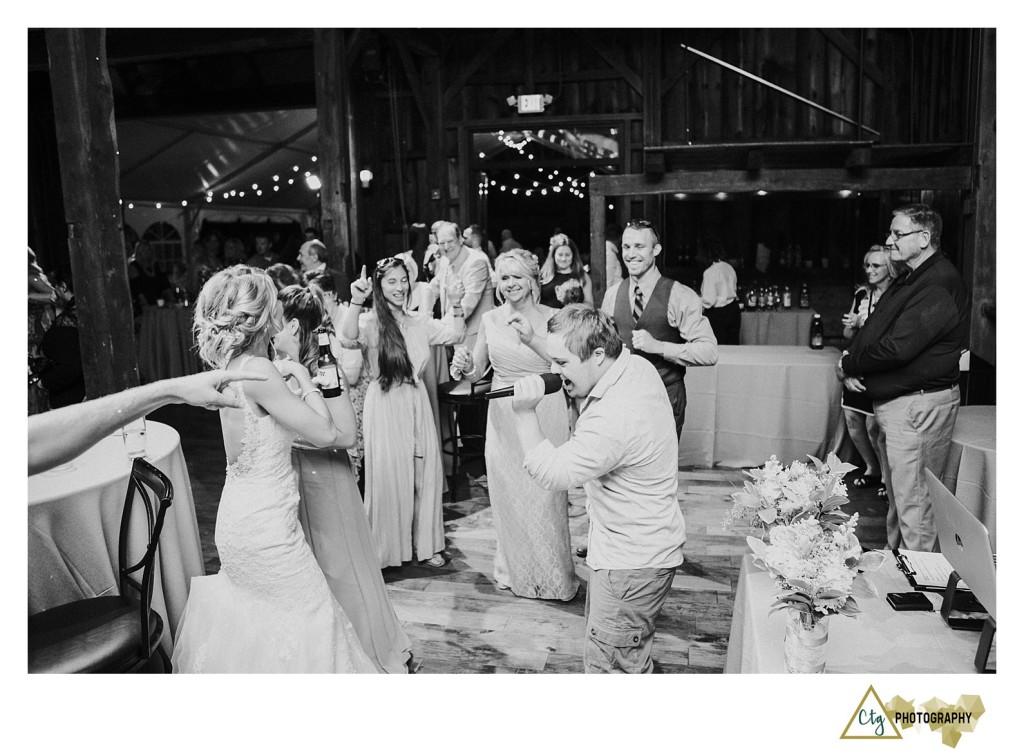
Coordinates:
(60, 435)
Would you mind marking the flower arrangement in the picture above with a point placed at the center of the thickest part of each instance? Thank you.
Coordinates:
(780, 496)
(818, 569)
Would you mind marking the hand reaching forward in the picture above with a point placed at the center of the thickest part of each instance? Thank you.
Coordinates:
(523, 328)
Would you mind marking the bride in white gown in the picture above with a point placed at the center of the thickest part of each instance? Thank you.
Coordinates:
(269, 609)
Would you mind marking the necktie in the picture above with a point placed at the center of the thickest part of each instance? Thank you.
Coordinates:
(638, 304)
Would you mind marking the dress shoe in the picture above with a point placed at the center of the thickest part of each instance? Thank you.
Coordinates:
(581, 551)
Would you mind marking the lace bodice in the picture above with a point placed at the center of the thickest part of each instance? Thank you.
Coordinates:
(266, 448)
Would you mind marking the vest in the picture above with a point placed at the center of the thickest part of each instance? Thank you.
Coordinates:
(654, 320)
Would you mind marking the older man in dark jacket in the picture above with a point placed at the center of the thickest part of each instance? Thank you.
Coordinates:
(906, 358)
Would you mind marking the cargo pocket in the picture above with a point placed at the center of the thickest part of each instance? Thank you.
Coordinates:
(614, 649)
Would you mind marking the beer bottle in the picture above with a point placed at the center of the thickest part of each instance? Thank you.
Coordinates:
(787, 298)
(327, 367)
(805, 296)
(817, 333)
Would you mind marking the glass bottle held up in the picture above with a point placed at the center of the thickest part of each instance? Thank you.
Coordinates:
(327, 367)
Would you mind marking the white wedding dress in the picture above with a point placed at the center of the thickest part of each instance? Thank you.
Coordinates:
(269, 609)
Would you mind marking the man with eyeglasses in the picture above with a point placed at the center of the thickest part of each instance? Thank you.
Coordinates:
(473, 268)
(906, 358)
(658, 318)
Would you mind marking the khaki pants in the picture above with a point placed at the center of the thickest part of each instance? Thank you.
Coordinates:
(622, 606)
(914, 433)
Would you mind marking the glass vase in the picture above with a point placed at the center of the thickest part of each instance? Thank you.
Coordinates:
(806, 642)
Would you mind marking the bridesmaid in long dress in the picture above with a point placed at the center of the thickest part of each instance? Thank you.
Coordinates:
(330, 507)
(403, 458)
(532, 524)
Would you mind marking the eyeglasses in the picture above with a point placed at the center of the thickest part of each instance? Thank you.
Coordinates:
(900, 236)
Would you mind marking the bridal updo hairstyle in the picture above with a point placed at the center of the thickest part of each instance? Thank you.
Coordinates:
(522, 262)
(234, 309)
(307, 306)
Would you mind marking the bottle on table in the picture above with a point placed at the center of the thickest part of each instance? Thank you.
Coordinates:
(787, 298)
(752, 298)
(327, 367)
(805, 296)
(817, 333)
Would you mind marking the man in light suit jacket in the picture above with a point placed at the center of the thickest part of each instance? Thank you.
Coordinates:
(474, 269)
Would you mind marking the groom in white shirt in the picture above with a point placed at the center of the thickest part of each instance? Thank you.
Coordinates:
(624, 452)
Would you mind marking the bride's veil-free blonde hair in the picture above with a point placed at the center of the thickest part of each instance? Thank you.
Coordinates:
(234, 309)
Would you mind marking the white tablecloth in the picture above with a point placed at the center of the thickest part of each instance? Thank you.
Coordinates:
(74, 515)
(759, 401)
(166, 346)
(970, 471)
(879, 640)
(786, 327)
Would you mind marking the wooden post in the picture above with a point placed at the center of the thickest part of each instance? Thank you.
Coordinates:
(331, 82)
(83, 106)
(980, 230)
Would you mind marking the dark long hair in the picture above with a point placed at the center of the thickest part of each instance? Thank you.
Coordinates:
(392, 356)
(307, 306)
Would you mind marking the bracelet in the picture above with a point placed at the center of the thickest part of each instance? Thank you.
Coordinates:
(307, 393)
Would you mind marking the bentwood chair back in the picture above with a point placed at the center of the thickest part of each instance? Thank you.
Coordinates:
(111, 634)
(452, 397)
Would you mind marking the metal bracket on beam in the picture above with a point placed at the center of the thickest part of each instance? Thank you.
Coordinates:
(859, 158)
(755, 161)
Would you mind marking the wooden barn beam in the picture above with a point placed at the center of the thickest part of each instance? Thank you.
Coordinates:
(491, 46)
(615, 60)
(332, 93)
(851, 52)
(415, 83)
(980, 225)
(830, 179)
(83, 104)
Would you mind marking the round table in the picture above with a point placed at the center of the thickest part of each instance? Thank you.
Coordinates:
(970, 471)
(74, 515)
(166, 345)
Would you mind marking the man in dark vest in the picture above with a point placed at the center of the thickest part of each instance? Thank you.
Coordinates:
(659, 318)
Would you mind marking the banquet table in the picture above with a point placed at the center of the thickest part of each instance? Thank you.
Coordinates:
(166, 346)
(74, 516)
(786, 327)
(879, 640)
(759, 401)
(970, 471)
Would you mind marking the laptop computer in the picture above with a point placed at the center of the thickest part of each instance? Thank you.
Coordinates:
(964, 542)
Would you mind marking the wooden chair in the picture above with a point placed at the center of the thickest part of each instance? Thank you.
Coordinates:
(452, 397)
(111, 634)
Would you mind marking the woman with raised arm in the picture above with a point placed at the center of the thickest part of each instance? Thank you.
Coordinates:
(330, 506)
(533, 558)
(269, 609)
(403, 458)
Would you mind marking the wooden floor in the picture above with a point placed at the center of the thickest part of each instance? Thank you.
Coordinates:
(459, 622)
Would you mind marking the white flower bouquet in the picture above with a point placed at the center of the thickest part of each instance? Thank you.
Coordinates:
(781, 495)
(818, 569)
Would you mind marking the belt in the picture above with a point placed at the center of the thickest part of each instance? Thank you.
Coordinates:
(933, 389)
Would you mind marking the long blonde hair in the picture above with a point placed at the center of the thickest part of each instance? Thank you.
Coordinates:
(234, 310)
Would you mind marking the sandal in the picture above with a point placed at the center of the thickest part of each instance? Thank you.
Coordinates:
(437, 560)
(867, 482)
(882, 492)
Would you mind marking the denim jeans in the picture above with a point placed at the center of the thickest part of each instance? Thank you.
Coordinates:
(915, 431)
(622, 606)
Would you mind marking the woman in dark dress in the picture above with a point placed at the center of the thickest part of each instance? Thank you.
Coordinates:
(562, 278)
